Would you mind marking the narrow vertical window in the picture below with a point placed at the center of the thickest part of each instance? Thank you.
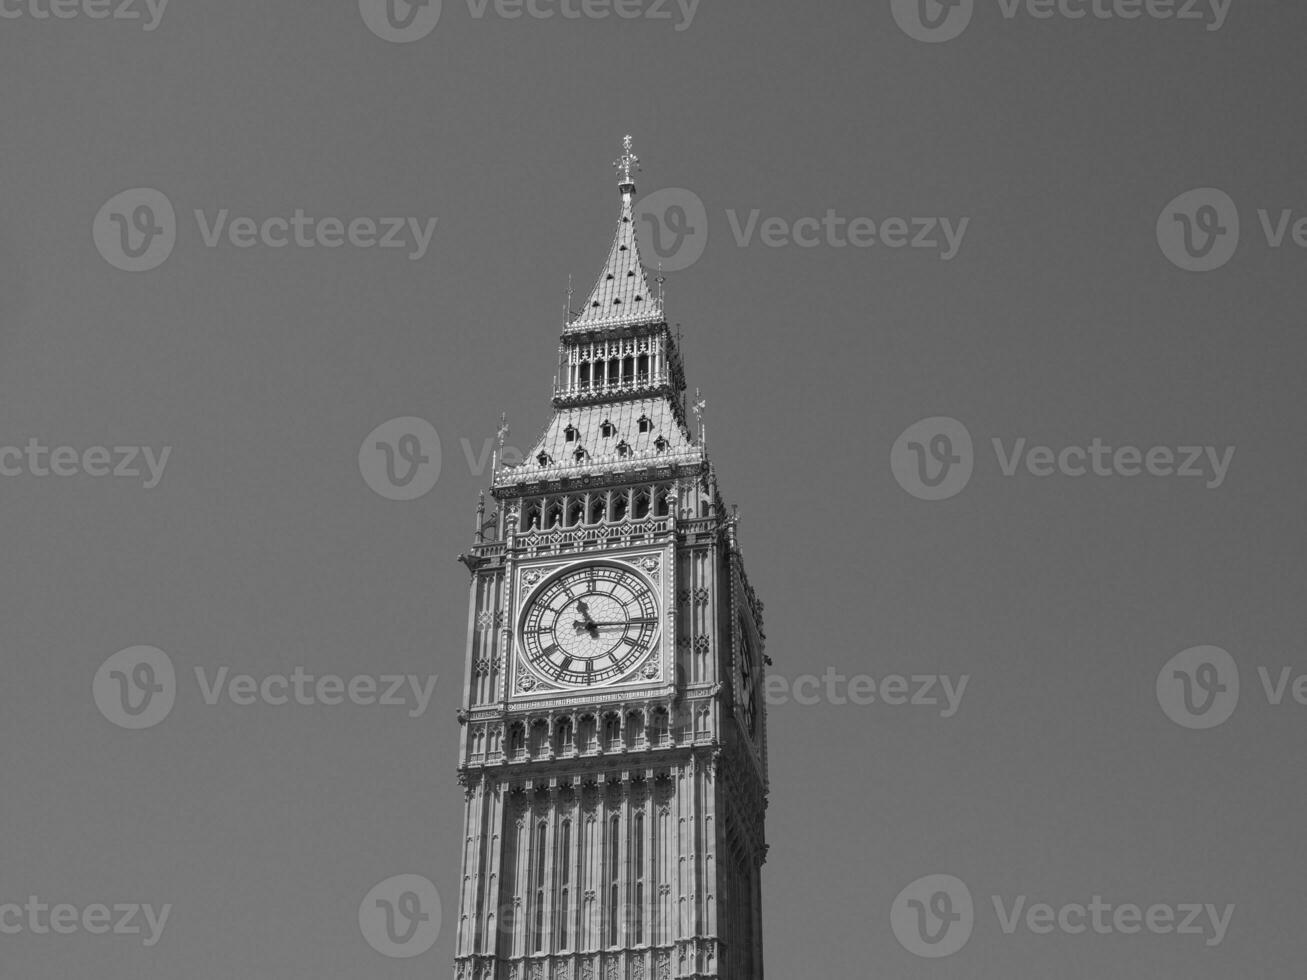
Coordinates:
(565, 881)
(614, 870)
(540, 889)
(637, 843)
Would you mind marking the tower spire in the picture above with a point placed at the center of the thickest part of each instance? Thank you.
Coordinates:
(621, 295)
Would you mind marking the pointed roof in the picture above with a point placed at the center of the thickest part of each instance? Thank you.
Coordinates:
(621, 295)
(642, 433)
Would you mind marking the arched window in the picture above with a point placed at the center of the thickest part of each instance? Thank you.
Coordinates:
(563, 736)
(575, 512)
(642, 367)
(619, 505)
(612, 733)
(585, 374)
(585, 741)
(661, 444)
(607, 429)
(544, 459)
(628, 370)
(662, 502)
(580, 455)
(597, 505)
(531, 516)
(571, 433)
(539, 737)
(623, 449)
(640, 508)
(658, 730)
(645, 423)
(516, 741)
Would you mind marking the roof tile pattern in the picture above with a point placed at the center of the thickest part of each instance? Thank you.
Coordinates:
(621, 294)
(603, 452)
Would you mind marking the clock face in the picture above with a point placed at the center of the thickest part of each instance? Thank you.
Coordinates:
(589, 625)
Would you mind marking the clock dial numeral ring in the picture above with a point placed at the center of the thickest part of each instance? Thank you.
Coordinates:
(590, 625)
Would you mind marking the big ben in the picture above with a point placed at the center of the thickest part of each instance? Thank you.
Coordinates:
(613, 756)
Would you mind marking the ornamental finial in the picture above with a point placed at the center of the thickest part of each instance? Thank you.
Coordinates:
(627, 165)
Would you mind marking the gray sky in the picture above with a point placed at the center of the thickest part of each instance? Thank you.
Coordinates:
(261, 549)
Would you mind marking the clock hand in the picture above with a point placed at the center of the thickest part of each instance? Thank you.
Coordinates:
(584, 609)
(588, 627)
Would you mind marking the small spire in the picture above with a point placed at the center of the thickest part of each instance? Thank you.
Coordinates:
(628, 165)
(698, 407)
(499, 451)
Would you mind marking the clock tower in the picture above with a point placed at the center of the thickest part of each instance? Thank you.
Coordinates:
(613, 755)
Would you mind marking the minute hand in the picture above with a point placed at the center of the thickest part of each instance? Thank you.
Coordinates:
(625, 622)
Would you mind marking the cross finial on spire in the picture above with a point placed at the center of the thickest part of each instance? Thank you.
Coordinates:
(628, 164)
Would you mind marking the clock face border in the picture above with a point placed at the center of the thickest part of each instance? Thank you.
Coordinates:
(647, 669)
